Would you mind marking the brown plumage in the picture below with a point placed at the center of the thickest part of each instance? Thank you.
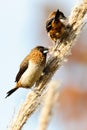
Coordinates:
(30, 69)
(55, 25)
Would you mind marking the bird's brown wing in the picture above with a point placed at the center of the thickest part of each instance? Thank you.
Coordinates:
(23, 67)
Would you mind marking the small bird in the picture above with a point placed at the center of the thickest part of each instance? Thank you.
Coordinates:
(30, 69)
(55, 25)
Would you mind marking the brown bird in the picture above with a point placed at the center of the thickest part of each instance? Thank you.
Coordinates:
(55, 25)
(30, 69)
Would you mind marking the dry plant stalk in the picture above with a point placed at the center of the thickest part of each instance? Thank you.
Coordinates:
(46, 112)
(59, 53)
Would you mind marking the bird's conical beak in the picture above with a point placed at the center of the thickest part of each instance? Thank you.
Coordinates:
(46, 50)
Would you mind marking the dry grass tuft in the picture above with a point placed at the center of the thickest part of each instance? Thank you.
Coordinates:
(46, 112)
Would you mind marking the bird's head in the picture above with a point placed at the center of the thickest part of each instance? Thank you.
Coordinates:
(55, 17)
(59, 15)
(42, 49)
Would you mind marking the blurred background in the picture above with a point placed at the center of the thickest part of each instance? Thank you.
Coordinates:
(22, 27)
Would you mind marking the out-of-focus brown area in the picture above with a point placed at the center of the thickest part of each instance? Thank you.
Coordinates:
(79, 53)
(73, 103)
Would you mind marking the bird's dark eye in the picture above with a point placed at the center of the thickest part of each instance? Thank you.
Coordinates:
(40, 48)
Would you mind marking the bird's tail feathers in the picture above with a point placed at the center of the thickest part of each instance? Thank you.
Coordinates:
(11, 91)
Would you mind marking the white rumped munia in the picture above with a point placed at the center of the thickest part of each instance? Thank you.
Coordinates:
(31, 69)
